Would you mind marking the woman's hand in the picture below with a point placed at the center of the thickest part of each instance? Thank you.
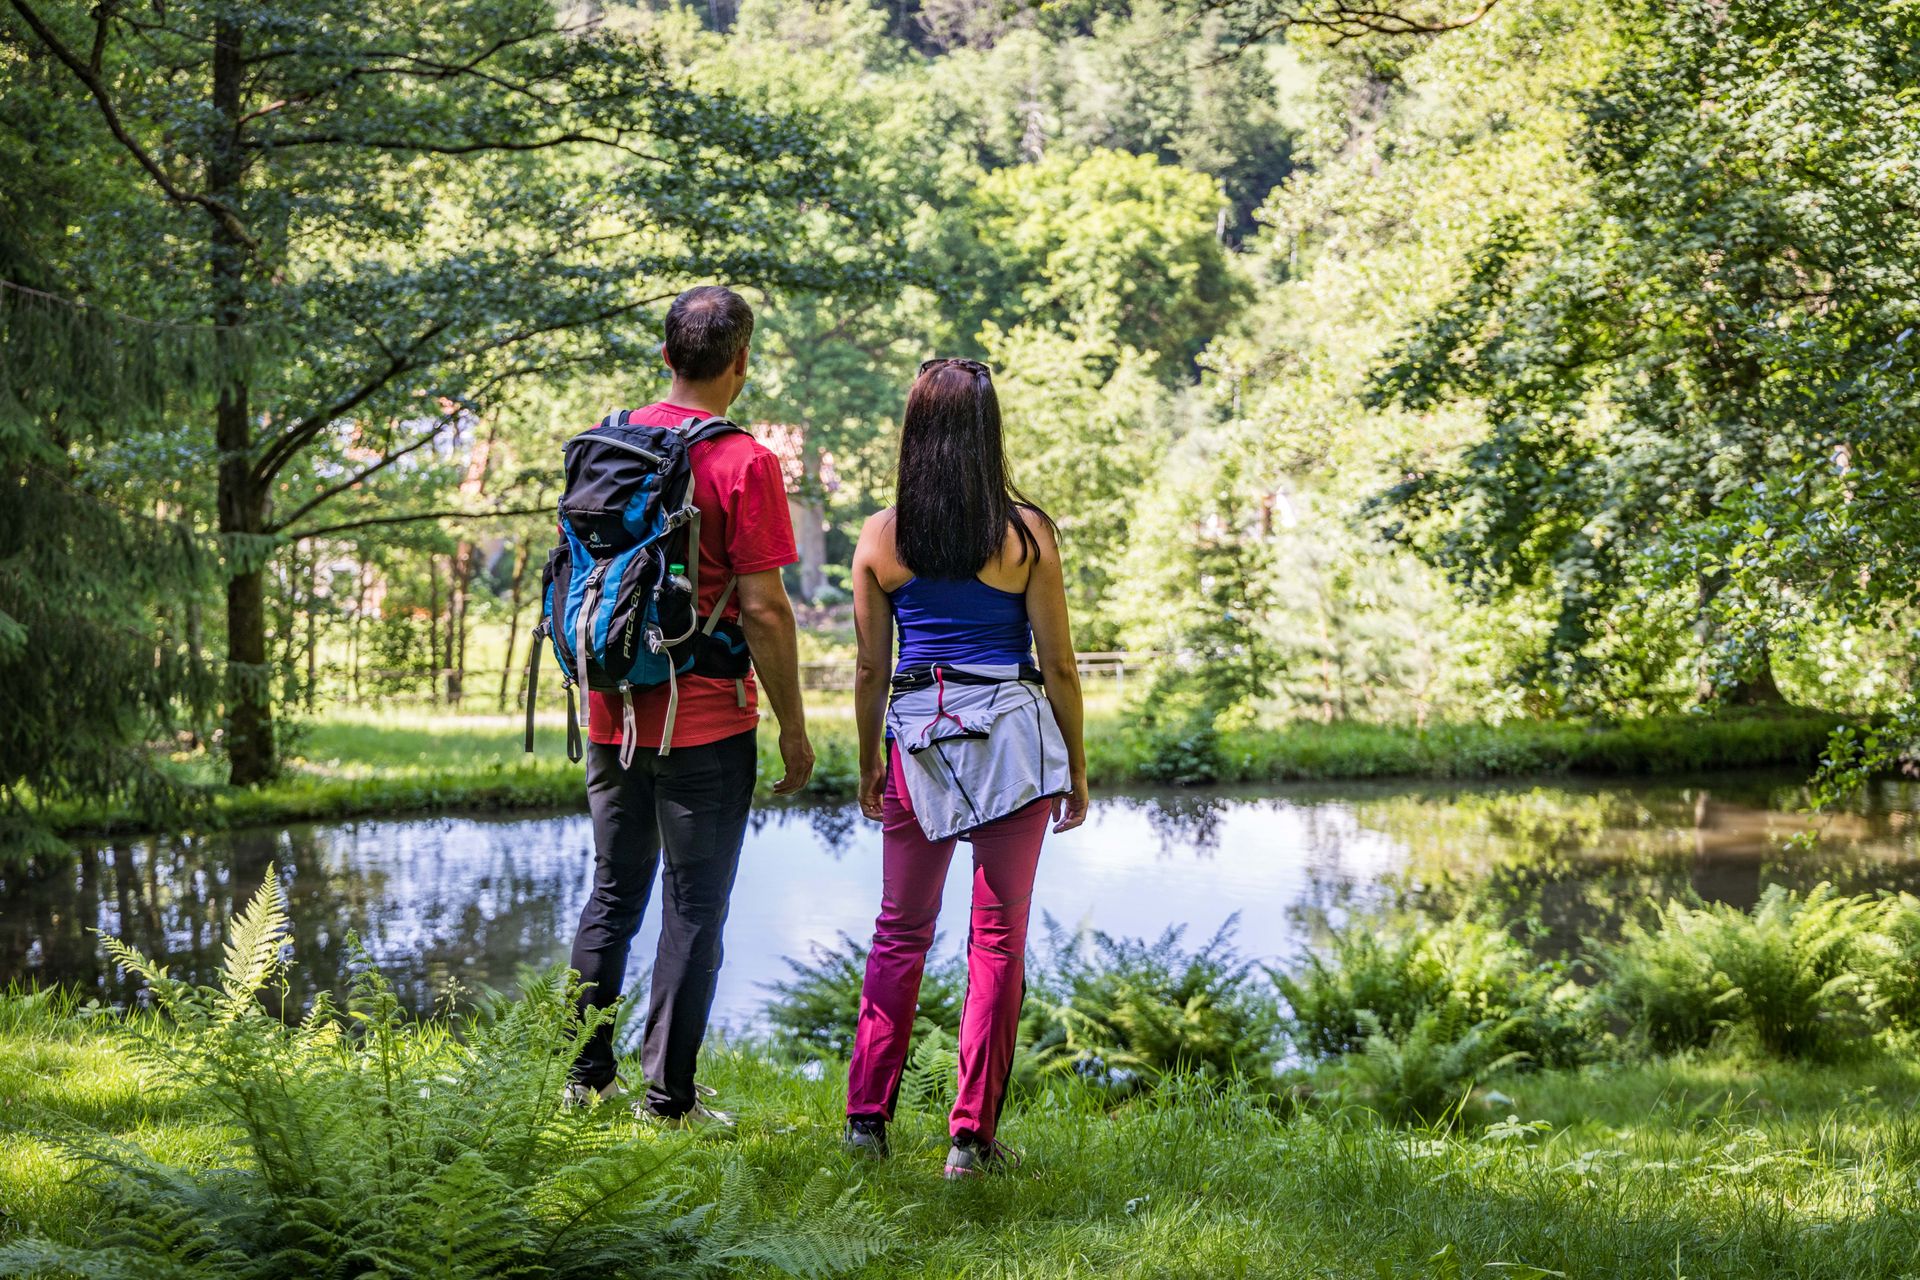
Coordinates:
(1070, 810)
(873, 786)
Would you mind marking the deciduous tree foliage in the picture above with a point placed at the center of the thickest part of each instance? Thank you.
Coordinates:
(1702, 376)
(386, 215)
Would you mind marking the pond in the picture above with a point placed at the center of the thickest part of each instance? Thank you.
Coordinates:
(472, 900)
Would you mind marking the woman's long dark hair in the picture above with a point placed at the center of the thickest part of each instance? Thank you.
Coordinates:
(953, 497)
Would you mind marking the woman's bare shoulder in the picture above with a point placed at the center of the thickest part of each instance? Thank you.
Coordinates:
(876, 532)
(1039, 526)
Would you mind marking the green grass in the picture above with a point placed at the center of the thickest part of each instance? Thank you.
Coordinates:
(349, 763)
(1707, 1166)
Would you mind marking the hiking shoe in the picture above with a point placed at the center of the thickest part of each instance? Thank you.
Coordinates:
(699, 1117)
(584, 1097)
(972, 1158)
(866, 1136)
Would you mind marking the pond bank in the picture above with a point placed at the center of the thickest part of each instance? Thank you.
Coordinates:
(346, 764)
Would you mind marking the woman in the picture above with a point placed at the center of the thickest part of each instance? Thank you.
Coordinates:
(974, 741)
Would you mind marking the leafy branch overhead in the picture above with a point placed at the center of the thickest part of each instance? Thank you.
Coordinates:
(375, 217)
(1254, 21)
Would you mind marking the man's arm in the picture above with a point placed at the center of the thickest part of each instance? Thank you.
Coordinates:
(767, 617)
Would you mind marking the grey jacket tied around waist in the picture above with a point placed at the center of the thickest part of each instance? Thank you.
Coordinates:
(976, 744)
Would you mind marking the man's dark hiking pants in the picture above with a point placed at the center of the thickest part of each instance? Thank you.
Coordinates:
(688, 811)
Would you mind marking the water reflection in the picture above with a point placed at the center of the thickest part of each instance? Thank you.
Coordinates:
(471, 900)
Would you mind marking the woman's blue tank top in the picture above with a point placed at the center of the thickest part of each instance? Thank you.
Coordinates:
(961, 620)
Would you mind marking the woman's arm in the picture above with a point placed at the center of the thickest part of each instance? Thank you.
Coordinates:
(873, 631)
(1053, 647)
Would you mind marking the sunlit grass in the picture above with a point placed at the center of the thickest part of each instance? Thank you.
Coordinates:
(1703, 1166)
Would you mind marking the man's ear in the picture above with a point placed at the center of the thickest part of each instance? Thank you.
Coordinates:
(740, 362)
(666, 359)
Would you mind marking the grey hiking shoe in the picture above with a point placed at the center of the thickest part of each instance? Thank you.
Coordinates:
(699, 1117)
(972, 1158)
(584, 1097)
(866, 1136)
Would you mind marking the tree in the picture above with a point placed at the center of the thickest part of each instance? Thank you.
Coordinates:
(1086, 427)
(1696, 380)
(1106, 247)
(99, 585)
(371, 217)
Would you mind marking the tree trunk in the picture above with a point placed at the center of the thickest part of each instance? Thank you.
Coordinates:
(242, 500)
(522, 558)
(472, 485)
(361, 574)
(433, 624)
(196, 645)
(313, 639)
(1755, 686)
(806, 506)
(290, 597)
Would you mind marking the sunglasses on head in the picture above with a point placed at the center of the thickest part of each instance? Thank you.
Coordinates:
(971, 366)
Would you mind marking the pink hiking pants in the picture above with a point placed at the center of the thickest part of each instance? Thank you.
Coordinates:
(1005, 855)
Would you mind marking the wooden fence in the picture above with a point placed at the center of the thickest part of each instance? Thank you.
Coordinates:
(481, 687)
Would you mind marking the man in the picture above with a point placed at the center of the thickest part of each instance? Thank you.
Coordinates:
(688, 809)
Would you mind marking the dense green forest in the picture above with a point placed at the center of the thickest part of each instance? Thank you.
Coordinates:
(1545, 359)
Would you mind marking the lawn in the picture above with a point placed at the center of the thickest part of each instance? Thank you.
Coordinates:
(1710, 1166)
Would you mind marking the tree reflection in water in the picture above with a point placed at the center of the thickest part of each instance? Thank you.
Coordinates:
(472, 900)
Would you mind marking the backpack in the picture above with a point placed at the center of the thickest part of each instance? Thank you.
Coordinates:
(619, 593)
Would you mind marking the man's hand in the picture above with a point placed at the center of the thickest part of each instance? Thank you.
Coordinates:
(796, 758)
(1070, 810)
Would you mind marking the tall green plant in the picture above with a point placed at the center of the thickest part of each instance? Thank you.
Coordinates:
(366, 1144)
(1791, 973)
(817, 1007)
(1153, 1008)
(1376, 983)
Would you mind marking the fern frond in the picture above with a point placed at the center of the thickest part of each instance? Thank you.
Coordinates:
(253, 946)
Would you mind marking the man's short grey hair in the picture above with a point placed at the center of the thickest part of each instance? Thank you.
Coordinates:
(707, 327)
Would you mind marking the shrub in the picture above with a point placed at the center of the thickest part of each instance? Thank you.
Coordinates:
(1790, 973)
(1379, 982)
(1125, 1004)
(1115, 1011)
(816, 1009)
(368, 1144)
(1427, 1070)
(1891, 963)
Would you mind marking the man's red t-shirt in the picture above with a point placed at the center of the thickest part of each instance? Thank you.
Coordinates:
(744, 528)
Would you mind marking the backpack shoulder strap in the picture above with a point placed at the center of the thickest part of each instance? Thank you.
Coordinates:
(697, 429)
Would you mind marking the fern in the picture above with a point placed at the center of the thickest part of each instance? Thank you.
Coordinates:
(366, 1143)
(829, 1230)
(1150, 1008)
(932, 1074)
(253, 947)
(1378, 977)
(1795, 973)
(1427, 1071)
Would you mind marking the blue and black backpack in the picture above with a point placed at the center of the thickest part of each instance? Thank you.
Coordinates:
(620, 592)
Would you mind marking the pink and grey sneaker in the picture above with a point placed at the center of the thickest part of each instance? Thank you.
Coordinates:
(973, 1158)
(866, 1136)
